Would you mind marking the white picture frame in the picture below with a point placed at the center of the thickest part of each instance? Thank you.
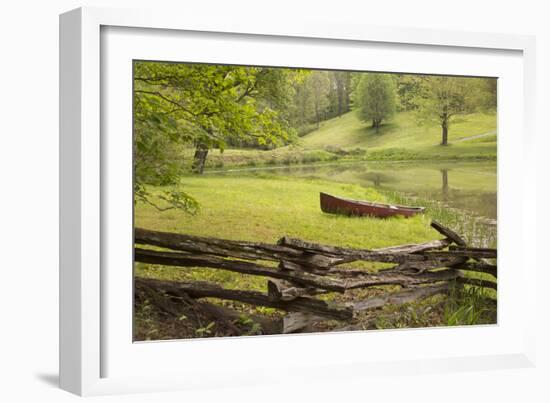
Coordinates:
(93, 326)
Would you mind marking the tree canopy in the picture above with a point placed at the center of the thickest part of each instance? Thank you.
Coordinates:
(375, 98)
(206, 105)
(441, 99)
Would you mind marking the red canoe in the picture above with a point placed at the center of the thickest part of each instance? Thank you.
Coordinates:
(337, 205)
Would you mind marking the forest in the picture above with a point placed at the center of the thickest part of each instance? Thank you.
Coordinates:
(241, 153)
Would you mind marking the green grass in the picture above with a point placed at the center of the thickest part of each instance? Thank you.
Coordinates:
(470, 306)
(485, 139)
(267, 208)
(347, 138)
(403, 131)
(264, 208)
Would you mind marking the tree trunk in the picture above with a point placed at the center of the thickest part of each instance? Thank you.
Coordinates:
(340, 91)
(317, 116)
(444, 132)
(340, 99)
(376, 124)
(199, 159)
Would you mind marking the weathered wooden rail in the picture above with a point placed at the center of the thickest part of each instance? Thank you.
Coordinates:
(305, 270)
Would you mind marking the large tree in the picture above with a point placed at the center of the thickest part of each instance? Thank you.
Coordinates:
(443, 98)
(204, 105)
(375, 98)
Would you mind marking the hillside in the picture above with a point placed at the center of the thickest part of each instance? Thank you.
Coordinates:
(346, 138)
(403, 136)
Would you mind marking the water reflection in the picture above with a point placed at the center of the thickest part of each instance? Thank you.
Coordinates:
(467, 186)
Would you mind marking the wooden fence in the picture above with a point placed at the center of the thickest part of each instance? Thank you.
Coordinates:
(305, 270)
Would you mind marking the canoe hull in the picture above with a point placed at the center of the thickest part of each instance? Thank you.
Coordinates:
(337, 205)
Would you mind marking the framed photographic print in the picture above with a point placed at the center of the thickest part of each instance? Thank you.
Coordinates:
(232, 195)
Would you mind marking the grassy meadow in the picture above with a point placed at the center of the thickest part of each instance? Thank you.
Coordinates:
(266, 208)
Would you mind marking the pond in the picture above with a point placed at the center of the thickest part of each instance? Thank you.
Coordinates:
(460, 194)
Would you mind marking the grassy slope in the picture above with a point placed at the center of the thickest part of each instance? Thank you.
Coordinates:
(402, 131)
(400, 139)
(403, 139)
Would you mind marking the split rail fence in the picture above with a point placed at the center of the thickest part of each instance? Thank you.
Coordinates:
(305, 270)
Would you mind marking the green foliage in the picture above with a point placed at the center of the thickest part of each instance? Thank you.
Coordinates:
(469, 306)
(311, 98)
(205, 105)
(265, 310)
(254, 328)
(408, 87)
(173, 199)
(340, 92)
(375, 98)
(319, 83)
(443, 99)
(144, 321)
(484, 94)
(318, 96)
